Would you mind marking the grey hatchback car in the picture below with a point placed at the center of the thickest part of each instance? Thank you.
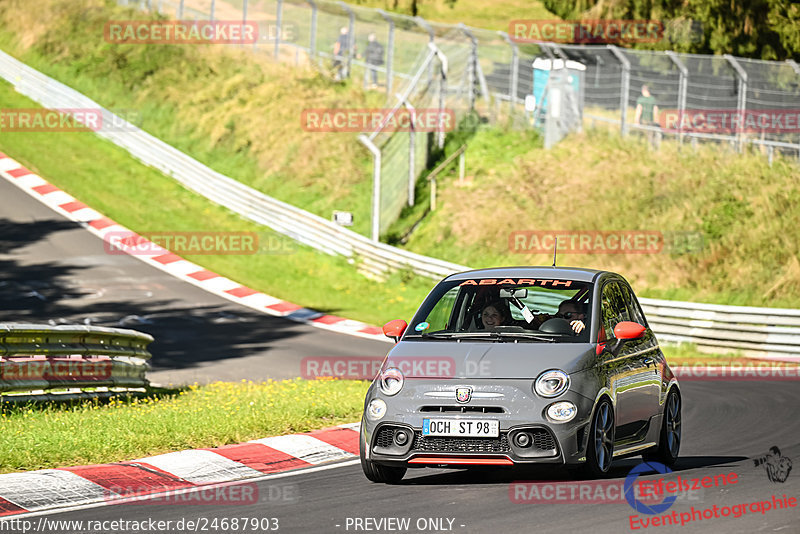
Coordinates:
(521, 365)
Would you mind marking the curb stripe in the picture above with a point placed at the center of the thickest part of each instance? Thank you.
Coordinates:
(16, 173)
(8, 508)
(200, 466)
(203, 275)
(73, 206)
(45, 189)
(241, 291)
(260, 457)
(305, 447)
(167, 258)
(284, 307)
(126, 478)
(341, 438)
(72, 486)
(101, 223)
(48, 488)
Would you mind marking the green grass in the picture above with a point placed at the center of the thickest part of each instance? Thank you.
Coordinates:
(39, 436)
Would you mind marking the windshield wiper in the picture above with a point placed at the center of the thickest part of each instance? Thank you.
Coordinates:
(486, 335)
(523, 335)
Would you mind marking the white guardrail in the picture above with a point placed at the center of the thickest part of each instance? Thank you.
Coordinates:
(760, 332)
(69, 361)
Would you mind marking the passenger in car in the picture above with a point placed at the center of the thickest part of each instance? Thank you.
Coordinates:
(494, 314)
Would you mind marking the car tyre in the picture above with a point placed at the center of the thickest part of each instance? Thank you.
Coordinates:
(600, 449)
(380, 473)
(669, 440)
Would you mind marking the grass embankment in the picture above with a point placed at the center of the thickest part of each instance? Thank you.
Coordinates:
(233, 110)
(58, 435)
(745, 211)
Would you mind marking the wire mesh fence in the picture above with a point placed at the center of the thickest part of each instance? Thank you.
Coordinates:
(699, 98)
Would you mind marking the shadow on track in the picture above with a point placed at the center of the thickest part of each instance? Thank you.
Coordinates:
(95, 288)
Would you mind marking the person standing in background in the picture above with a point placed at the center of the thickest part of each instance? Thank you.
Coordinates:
(374, 58)
(341, 49)
(646, 109)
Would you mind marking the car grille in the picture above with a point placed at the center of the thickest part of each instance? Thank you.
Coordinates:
(462, 409)
(543, 440)
(385, 437)
(450, 444)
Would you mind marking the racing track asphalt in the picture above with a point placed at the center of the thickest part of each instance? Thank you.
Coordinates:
(726, 425)
(54, 270)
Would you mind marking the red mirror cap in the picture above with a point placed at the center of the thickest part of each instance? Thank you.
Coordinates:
(628, 330)
(395, 329)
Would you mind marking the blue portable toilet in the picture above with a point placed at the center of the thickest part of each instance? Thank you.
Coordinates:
(566, 74)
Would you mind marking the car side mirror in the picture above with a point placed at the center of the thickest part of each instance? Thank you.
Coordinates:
(624, 331)
(394, 329)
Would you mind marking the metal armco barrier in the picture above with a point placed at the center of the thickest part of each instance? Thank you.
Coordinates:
(772, 333)
(41, 357)
(761, 332)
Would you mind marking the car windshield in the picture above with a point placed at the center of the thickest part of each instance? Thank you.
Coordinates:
(494, 309)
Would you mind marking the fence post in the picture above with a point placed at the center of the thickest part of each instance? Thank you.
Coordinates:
(422, 23)
(741, 104)
(376, 185)
(442, 91)
(412, 151)
(683, 83)
(210, 13)
(514, 75)
(472, 69)
(312, 39)
(180, 9)
(626, 85)
(389, 51)
(278, 24)
(351, 41)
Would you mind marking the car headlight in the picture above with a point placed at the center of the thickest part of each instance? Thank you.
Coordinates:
(552, 383)
(391, 381)
(562, 411)
(376, 409)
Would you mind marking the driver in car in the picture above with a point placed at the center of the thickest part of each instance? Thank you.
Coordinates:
(572, 311)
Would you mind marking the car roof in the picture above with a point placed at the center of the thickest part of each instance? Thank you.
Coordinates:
(562, 273)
